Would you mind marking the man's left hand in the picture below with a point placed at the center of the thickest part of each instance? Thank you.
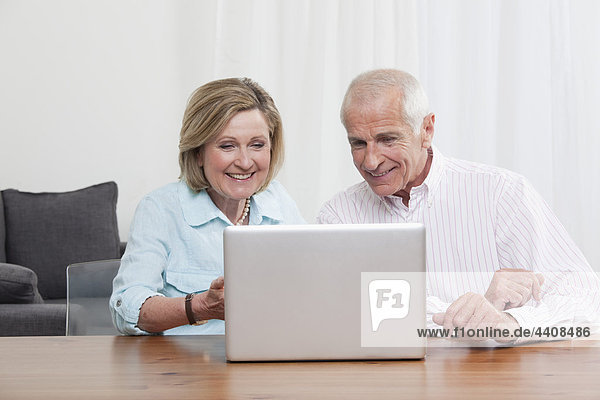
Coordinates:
(474, 311)
(511, 288)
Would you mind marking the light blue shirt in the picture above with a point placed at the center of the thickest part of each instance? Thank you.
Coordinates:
(175, 247)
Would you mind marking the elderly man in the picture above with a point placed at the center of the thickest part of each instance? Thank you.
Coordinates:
(496, 254)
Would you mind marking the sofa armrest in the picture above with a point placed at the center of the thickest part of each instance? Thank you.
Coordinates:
(33, 319)
(18, 285)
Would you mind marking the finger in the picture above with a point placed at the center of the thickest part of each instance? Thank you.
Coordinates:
(476, 327)
(478, 315)
(514, 299)
(499, 304)
(518, 294)
(538, 281)
(438, 318)
(504, 279)
(530, 286)
(523, 286)
(465, 313)
(511, 293)
(218, 283)
(521, 276)
(453, 309)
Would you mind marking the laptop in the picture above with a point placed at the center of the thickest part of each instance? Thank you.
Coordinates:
(324, 292)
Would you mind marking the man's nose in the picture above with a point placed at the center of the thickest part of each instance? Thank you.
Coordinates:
(372, 158)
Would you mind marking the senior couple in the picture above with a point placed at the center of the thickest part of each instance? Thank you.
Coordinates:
(496, 254)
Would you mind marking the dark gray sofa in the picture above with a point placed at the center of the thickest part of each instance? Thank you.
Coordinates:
(40, 234)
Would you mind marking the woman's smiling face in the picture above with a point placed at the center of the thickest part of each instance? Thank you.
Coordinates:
(236, 163)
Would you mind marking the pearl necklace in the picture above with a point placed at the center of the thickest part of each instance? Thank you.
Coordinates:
(245, 213)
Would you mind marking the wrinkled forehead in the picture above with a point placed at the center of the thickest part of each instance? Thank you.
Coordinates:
(374, 106)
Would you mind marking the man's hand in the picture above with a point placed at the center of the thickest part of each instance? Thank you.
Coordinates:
(511, 288)
(473, 311)
(211, 304)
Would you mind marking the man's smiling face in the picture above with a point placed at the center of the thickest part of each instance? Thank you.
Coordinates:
(385, 150)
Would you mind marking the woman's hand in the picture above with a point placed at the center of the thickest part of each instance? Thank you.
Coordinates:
(211, 304)
(160, 313)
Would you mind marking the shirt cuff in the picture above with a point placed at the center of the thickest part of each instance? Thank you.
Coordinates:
(127, 306)
(531, 318)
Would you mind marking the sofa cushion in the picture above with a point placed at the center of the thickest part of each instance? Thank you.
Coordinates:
(18, 285)
(48, 231)
(33, 320)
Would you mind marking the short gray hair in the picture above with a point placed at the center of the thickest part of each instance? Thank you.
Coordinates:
(372, 84)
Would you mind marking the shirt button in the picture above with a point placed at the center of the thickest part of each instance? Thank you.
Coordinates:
(118, 303)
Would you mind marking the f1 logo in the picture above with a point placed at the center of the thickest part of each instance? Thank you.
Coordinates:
(389, 299)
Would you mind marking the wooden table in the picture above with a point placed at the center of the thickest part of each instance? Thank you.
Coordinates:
(194, 367)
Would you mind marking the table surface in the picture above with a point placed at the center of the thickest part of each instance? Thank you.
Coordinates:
(186, 367)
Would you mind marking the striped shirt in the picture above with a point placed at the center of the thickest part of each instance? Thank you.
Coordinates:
(479, 219)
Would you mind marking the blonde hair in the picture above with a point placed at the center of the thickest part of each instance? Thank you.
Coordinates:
(373, 84)
(209, 109)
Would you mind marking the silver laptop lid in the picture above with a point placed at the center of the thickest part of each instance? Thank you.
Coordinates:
(324, 292)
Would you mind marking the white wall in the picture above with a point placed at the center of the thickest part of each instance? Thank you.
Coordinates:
(88, 96)
(95, 90)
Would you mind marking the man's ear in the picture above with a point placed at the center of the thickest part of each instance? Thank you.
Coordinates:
(200, 157)
(427, 130)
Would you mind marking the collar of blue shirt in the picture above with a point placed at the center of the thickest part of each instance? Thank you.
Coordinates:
(199, 209)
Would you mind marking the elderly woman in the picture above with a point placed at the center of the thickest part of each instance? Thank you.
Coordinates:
(231, 147)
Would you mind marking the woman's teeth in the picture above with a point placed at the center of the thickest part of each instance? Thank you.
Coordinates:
(240, 176)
